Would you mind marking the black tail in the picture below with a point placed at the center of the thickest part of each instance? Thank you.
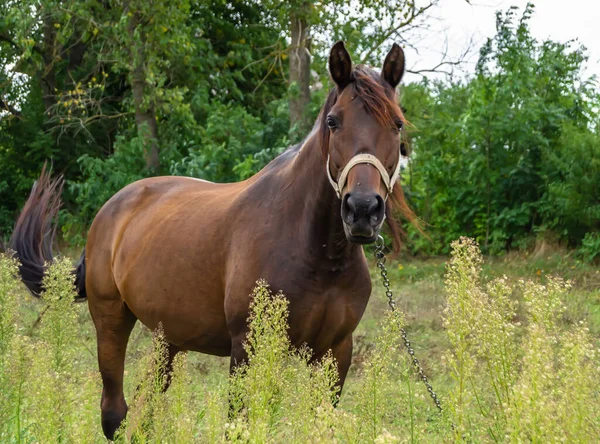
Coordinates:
(33, 236)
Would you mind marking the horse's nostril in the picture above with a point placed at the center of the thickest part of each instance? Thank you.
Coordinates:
(373, 205)
(351, 203)
(377, 209)
(348, 208)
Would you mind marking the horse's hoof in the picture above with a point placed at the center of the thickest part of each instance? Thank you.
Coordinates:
(111, 421)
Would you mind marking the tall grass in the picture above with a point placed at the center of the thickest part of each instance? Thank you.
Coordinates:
(49, 396)
(514, 371)
(516, 382)
(11, 357)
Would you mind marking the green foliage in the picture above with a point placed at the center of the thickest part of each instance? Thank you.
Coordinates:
(104, 177)
(512, 152)
(150, 415)
(10, 402)
(590, 247)
(232, 147)
(279, 395)
(386, 375)
(9, 273)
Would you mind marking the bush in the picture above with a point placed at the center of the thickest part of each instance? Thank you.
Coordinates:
(512, 150)
(590, 247)
(102, 178)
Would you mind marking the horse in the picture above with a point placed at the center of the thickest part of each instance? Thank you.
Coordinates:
(186, 253)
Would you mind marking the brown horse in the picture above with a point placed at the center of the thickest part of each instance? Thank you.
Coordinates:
(187, 253)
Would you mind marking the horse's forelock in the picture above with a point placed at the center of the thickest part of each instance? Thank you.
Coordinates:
(378, 97)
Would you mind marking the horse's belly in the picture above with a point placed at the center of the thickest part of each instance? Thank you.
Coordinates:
(179, 291)
(191, 322)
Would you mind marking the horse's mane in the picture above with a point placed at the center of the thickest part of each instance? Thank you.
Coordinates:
(379, 100)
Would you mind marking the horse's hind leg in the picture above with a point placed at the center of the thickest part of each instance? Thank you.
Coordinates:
(114, 322)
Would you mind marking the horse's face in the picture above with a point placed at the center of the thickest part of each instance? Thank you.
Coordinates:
(364, 141)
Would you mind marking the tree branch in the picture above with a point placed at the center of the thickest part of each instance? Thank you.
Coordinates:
(445, 62)
(4, 37)
(4, 105)
(414, 14)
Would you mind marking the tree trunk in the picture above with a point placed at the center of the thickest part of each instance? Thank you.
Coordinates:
(144, 112)
(145, 121)
(47, 74)
(300, 68)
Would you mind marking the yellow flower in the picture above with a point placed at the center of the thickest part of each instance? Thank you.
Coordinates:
(400, 267)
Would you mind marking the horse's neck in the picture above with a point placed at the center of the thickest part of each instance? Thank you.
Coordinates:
(307, 187)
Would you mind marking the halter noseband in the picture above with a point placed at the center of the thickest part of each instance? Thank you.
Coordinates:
(389, 181)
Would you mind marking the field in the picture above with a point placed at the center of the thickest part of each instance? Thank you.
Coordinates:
(513, 359)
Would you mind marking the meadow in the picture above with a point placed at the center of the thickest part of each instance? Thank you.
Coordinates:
(510, 345)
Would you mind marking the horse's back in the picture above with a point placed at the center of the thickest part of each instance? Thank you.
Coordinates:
(146, 204)
(155, 244)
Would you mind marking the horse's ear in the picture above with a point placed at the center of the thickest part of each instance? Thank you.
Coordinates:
(340, 65)
(393, 67)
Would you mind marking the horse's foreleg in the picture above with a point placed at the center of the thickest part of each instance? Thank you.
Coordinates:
(343, 357)
(238, 353)
(239, 357)
(114, 322)
(172, 351)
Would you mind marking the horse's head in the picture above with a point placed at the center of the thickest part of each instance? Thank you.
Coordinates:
(361, 126)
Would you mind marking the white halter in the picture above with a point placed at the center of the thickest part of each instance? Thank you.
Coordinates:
(389, 181)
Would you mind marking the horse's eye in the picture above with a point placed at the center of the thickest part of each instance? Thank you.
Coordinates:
(332, 123)
(399, 125)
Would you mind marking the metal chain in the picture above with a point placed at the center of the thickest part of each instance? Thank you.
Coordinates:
(379, 245)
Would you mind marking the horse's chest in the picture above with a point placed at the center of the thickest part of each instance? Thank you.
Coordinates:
(325, 306)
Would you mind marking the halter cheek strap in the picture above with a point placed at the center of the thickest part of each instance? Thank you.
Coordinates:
(389, 181)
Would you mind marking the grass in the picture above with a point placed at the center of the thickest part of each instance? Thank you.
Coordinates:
(513, 359)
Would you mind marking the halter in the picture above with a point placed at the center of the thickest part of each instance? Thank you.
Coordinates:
(389, 181)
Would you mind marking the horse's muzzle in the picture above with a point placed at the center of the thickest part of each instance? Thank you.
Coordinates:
(362, 214)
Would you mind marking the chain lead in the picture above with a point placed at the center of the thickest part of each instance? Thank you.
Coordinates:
(379, 254)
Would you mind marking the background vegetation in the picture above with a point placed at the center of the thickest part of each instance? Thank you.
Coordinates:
(512, 154)
(113, 91)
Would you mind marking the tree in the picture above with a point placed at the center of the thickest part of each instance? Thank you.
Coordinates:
(494, 156)
(300, 59)
(81, 80)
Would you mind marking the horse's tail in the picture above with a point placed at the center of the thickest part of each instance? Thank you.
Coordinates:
(33, 236)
